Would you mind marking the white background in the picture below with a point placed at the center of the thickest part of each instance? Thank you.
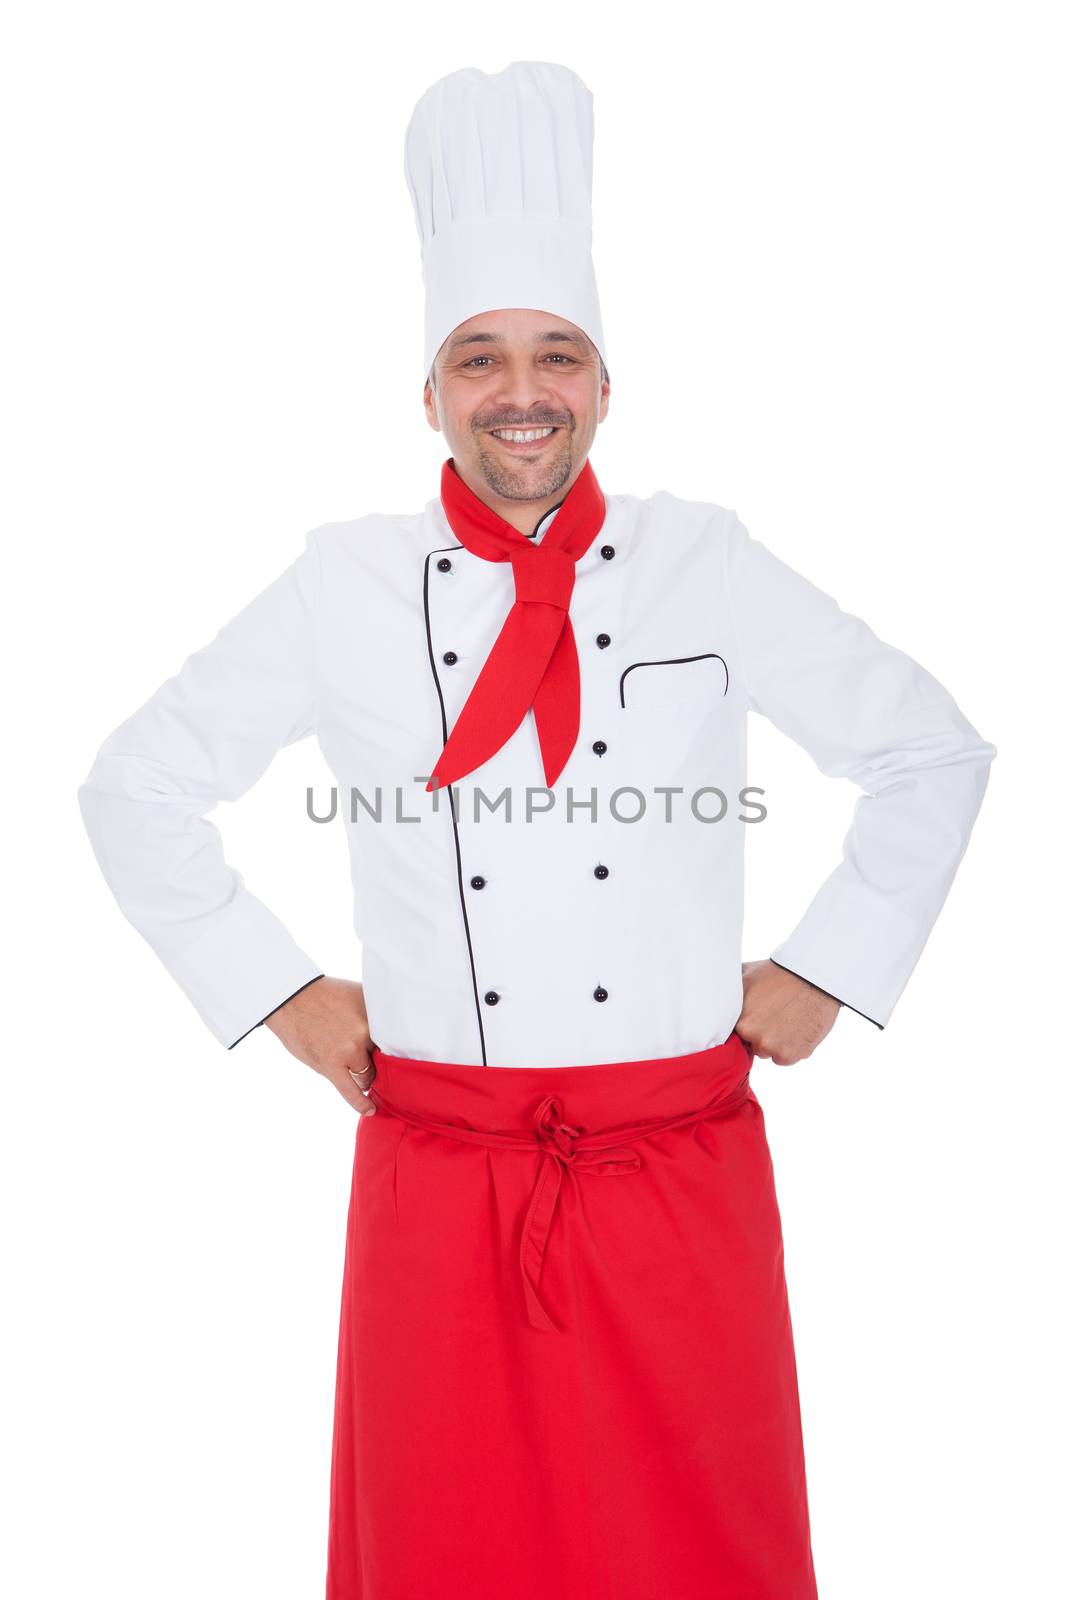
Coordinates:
(829, 246)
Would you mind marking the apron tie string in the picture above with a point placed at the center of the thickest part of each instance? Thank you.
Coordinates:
(562, 1148)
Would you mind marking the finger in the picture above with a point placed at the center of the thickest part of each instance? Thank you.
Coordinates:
(362, 1072)
(362, 1077)
(359, 1102)
(347, 1085)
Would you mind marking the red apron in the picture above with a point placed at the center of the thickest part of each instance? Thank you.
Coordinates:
(555, 1387)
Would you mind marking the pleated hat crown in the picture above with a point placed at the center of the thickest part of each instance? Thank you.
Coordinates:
(499, 168)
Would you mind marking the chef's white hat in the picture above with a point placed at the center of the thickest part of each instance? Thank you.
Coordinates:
(499, 167)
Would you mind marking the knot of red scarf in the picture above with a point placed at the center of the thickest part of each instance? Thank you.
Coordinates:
(534, 661)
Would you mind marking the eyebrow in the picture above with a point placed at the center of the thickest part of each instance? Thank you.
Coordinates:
(553, 336)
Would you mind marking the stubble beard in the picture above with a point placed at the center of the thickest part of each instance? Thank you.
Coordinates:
(537, 481)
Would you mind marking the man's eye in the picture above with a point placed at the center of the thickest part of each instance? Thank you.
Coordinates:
(555, 355)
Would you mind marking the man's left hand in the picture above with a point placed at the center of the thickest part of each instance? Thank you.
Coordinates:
(783, 1016)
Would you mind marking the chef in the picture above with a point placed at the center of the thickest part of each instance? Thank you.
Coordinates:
(565, 1362)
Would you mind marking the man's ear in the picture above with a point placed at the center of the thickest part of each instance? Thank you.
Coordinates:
(429, 400)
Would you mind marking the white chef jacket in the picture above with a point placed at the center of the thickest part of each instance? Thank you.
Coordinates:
(583, 926)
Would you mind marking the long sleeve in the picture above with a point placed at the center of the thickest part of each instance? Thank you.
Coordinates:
(207, 735)
(863, 710)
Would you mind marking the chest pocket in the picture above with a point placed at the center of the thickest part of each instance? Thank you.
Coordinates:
(688, 685)
(676, 721)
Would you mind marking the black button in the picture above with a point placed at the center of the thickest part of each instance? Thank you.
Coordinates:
(477, 882)
(599, 748)
(599, 994)
(603, 640)
(491, 998)
(444, 564)
(450, 658)
(600, 871)
(607, 552)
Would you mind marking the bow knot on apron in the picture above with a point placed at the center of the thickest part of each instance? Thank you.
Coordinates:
(562, 1148)
(561, 1133)
(533, 665)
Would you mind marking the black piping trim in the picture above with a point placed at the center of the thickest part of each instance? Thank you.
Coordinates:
(547, 513)
(670, 661)
(278, 1007)
(835, 997)
(451, 796)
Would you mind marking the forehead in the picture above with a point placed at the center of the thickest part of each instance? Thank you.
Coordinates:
(515, 328)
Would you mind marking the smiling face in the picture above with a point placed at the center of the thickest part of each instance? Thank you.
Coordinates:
(520, 371)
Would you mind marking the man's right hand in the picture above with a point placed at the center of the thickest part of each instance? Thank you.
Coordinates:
(324, 1025)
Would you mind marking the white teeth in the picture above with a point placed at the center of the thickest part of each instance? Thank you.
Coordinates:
(524, 435)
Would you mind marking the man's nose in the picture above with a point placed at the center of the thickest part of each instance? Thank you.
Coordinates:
(525, 395)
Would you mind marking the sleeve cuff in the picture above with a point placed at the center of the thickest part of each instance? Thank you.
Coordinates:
(832, 996)
(236, 970)
(278, 1007)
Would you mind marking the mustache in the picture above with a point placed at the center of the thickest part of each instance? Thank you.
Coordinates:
(523, 422)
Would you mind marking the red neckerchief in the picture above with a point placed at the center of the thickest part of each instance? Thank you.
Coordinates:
(534, 660)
